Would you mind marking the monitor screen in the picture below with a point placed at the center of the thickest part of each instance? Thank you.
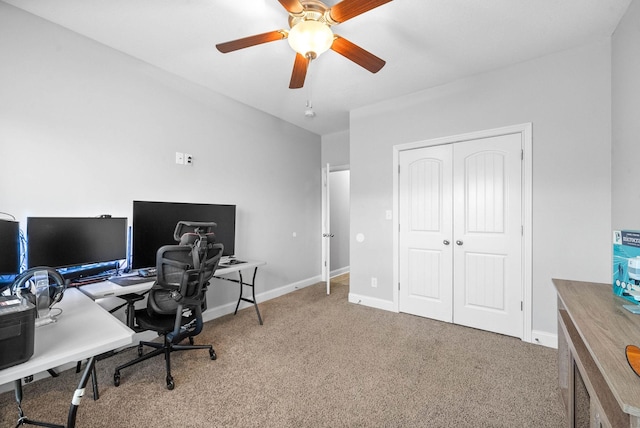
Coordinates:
(155, 222)
(73, 241)
(9, 247)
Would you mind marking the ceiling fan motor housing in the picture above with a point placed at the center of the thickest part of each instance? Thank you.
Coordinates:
(314, 10)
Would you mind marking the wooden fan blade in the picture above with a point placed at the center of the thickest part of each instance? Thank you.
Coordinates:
(246, 42)
(348, 9)
(299, 73)
(293, 6)
(356, 54)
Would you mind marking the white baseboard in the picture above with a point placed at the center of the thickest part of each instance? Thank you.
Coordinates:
(545, 339)
(373, 302)
(339, 272)
(229, 308)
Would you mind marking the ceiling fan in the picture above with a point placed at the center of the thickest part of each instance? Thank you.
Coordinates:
(310, 35)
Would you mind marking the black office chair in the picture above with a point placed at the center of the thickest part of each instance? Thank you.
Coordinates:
(177, 299)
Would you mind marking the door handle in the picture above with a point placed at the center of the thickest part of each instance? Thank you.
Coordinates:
(459, 242)
(445, 242)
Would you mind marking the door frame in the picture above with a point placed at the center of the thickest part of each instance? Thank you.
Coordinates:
(525, 131)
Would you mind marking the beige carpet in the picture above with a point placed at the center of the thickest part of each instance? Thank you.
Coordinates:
(320, 361)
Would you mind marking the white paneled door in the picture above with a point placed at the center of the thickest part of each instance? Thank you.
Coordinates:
(426, 229)
(460, 240)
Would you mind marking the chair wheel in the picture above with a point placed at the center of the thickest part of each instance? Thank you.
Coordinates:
(116, 379)
(190, 340)
(139, 350)
(212, 354)
(170, 383)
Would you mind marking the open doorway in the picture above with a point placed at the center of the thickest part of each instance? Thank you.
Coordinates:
(335, 225)
(339, 179)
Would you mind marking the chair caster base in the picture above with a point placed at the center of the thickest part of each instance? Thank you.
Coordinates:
(170, 383)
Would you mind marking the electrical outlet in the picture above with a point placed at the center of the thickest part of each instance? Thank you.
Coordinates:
(188, 159)
(180, 158)
(374, 282)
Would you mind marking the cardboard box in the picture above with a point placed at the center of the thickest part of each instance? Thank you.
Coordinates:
(626, 265)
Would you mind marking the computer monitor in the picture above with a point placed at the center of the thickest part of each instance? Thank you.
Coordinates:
(9, 247)
(155, 222)
(61, 242)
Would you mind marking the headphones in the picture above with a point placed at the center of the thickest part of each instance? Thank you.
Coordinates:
(24, 286)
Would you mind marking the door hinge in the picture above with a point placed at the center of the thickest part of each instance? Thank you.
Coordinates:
(521, 305)
(521, 154)
(398, 286)
(522, 230)
(398, 169)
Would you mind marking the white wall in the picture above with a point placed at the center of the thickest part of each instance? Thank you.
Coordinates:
(335, 149)
(626, 123)
(567, 97)
(85, 130)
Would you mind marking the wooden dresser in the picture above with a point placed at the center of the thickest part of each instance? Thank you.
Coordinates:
(598, 387)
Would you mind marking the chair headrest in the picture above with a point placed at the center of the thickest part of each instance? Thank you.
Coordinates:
(194, 227)
(192, 238)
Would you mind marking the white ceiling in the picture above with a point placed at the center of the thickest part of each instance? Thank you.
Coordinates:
(425, 43)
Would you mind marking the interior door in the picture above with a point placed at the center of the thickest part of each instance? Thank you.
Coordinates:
(460, 255)
(426, 227)
(488, 234)
(326, 228)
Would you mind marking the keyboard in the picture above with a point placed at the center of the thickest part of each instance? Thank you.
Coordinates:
(79, 282)
(146, 273)
(231, 262)
(124, 281)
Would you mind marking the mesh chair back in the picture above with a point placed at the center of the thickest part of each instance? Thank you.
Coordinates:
(183, 274)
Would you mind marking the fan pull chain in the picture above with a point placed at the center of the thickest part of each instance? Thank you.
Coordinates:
(308, 111)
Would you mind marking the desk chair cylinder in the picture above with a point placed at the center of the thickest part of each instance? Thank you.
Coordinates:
(176, 301)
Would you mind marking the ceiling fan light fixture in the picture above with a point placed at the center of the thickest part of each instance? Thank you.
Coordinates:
(310, 38)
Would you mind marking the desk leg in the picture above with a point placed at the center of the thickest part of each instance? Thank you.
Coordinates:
(75, 401)
(253, 293)
(94, 378)
(22, 419)
(79, 392)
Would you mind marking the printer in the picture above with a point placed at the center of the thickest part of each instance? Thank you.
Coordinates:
(17, 328)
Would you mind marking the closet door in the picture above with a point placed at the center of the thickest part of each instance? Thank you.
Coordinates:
(426, 223)
(460, 237)
(487, 292)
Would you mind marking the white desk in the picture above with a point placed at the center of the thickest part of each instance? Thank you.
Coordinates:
(82, 331)
(100, 290)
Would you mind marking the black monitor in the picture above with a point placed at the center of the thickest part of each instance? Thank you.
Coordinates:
(61, 242)
(155, 222)
(9, 247)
